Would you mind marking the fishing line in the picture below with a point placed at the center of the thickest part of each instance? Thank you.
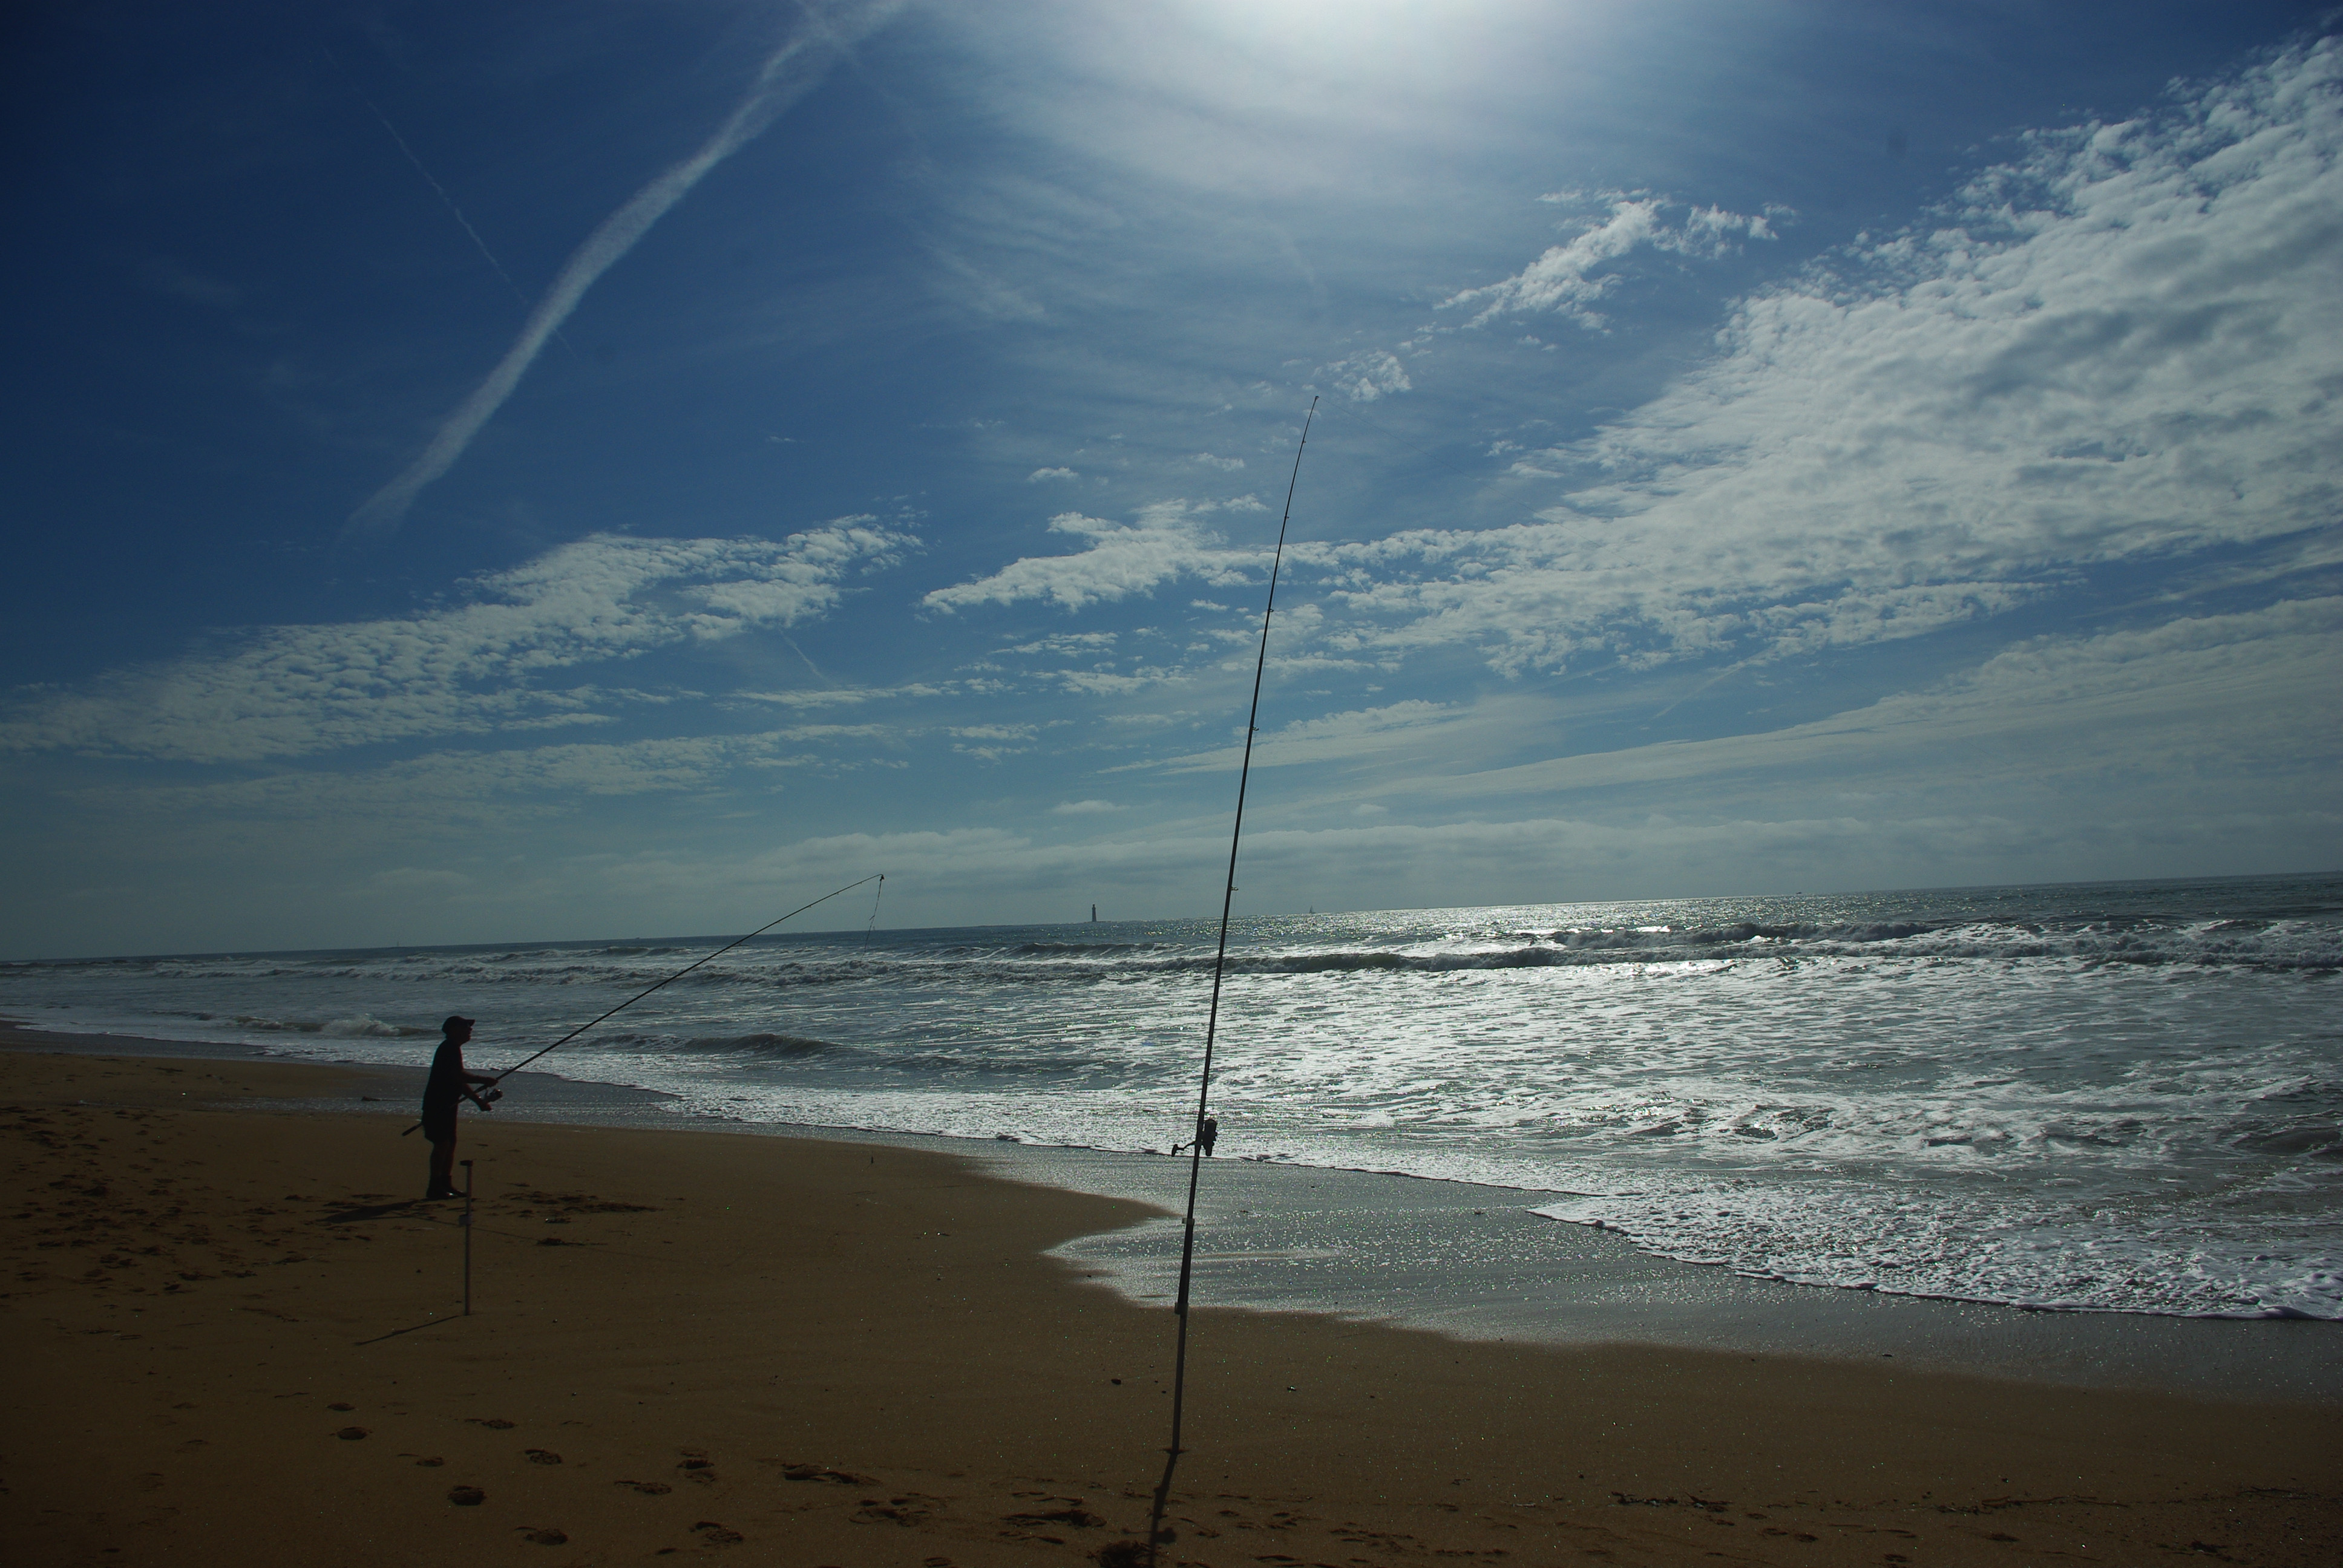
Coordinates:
(720, 952)
(880, 878)
(1212, 1017)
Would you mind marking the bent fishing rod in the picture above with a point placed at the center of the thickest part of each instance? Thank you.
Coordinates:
(1212, 1017)
(879, 878)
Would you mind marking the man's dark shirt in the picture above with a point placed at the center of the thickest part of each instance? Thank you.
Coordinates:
(442, 1090)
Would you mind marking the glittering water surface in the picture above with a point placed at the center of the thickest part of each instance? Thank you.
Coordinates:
(2122, 1096)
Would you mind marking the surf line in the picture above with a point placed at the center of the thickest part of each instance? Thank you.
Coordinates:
(878, 876)
(1205, 1130)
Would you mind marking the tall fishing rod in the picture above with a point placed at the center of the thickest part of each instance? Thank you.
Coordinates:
(879, 878)
(1203, 1129)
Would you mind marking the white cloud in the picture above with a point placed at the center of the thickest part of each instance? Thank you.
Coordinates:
(1370, 374)
(836, 697)
(1569, 278)
(1226, 465)
(1106, 683)
(1067, 642)
(2126, 345)
(1338, 737)
(2234, 703)
(1038, 475)
(1083, 809)
(836, 733)
(1121, 559)
(467, 668)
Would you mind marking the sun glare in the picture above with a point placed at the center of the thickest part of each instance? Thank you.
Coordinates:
(1364, 39)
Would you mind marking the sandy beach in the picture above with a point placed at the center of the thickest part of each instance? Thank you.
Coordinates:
(236, 1336)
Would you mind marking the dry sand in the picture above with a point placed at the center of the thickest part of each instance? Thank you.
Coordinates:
(232, 1337)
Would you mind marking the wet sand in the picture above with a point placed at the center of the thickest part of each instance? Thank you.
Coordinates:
(1474, 1261)
(234, 1336)
(1479, 1262)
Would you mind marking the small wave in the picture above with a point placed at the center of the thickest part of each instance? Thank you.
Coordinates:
(363, 1027)
(2001, 1256)
(941, 1061)
(1045, 949)
(358, 1027)
(2319, 1141)
(786, 1047)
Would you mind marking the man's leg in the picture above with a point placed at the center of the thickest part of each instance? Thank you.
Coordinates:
(443, 1166)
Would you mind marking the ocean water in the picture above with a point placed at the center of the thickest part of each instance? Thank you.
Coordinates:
(2116, 1096)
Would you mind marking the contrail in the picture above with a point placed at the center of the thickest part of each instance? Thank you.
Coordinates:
(788, 75)
(441, 191)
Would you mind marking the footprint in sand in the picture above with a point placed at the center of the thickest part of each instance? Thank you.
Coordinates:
(714, 1534)
(341, 1404)
(823, 1473)
(647, 1488)
(1080, 1519)
(467, 1496)
(542, 1456)
(493, 1422)
(544, 1537)
(351, 1433)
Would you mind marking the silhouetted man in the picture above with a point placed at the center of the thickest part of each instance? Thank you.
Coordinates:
(448, 1086)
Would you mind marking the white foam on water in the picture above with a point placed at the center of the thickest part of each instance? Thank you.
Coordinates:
(2116, 1097)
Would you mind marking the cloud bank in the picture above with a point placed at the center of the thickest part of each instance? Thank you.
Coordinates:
(2120, 351)
(470, 667)
(2124, 345)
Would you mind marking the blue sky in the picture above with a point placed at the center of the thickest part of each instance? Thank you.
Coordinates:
(539, 471)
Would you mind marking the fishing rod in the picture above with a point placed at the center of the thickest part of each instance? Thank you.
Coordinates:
(879, 878)
(1206, 1129)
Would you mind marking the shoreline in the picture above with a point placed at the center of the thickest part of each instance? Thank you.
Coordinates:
(229, 1319)
(1470, 1262)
